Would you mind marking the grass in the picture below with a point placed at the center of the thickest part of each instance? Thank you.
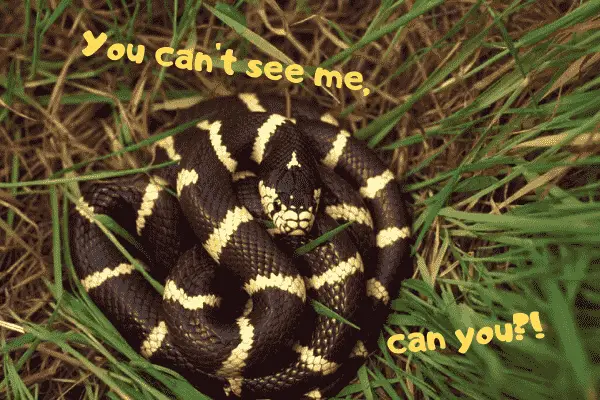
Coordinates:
(489, 111)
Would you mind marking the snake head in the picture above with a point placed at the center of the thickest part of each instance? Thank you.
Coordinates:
(290, 198)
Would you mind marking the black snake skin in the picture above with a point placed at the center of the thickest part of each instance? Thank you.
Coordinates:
(220, 230)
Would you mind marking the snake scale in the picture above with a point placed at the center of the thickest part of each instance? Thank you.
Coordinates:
(256, 178)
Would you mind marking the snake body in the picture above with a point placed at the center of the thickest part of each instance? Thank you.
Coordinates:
(235, 316)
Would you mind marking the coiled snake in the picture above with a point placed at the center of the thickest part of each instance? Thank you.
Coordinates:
(235, 317)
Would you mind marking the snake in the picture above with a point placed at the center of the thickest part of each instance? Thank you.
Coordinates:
(277, 238)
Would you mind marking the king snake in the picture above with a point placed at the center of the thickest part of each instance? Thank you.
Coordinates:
(257, 178)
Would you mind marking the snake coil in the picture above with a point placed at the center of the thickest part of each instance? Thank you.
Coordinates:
(220, 230)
